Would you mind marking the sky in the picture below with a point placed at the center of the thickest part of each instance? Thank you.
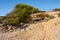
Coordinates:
(7, 6)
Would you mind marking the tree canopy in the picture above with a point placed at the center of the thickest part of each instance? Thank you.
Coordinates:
(21, 13)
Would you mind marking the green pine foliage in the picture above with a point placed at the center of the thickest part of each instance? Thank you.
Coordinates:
(21, 14)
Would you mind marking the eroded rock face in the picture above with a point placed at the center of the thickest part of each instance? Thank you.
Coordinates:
(49, 30)
(52, 29)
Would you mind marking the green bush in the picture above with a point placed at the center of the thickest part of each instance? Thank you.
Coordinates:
(24, 16)
(28, 8)
(14, 21)
(21, 14)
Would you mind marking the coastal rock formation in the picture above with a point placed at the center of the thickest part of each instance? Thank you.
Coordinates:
(49, 30)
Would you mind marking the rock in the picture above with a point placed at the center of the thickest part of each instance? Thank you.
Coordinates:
(49, 30)
(1, 25)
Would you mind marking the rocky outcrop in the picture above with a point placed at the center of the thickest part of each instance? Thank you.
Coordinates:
(49, 30)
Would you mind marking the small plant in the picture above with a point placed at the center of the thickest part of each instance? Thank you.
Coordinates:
(59, 15)
(29, 28)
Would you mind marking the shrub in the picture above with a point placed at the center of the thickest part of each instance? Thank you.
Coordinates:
(56, 9)
(42, 15)
(24, 17)
(14, 21)
(59, 15)
(20, 14)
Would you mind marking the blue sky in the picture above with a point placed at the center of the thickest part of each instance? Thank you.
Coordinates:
(7, 5)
